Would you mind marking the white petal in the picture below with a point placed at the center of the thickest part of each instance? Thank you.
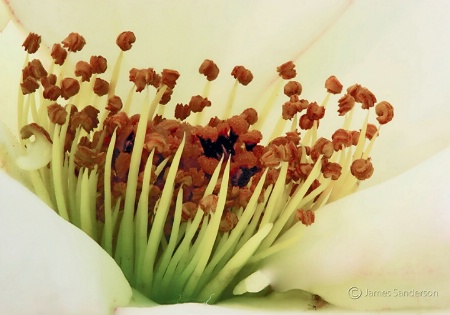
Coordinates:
(394, 236)
(47, 265)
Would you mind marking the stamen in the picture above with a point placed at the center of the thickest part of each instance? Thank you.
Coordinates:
(185, 210)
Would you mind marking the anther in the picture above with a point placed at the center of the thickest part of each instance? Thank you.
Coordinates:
(315, 112)
(198, 103)
(74, 42)
(292, 88)
(32, 43)
(69, 88)
(182, 111)
(333, 85)
(243, 75)
(57, 114)
(371, 131)
(385, 112)
(101, 87)
(83, 70)
(307, 217)
(98, 64)
(330, 169)
(34, 69)
(287, 70)
(59, 54)
(209, 69)
(362, 95)
(345, 104)
(125, 40)
(341, 139)
(362, 169)
(169, 77)
(114, 104)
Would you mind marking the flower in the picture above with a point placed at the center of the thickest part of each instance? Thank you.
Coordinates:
(316, 46)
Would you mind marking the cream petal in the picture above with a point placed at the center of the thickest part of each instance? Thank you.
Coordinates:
(396, 49)
(49, 266)
(392, 237)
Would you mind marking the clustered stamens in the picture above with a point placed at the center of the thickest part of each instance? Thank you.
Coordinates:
(187, 210)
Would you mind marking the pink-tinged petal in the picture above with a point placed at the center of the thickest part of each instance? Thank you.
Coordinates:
(392, 238)
(5, 16)
(47, 265)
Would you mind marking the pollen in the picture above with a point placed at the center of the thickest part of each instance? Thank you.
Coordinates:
(186, 205)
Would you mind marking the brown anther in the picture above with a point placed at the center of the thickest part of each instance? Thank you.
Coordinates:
(155, 141)
(251, 138)
(289, 110)
(182, 111)
(188, 210)
(345, 104)
(208, 203)
(305, 216)
(243, 75)
(29, 85)
(59, 54)
(362, 95)
(166, 96)
(271, 158)
(69, 88)
(33, 129)
(32, 43)
(209, 69)
(238, 124)
(83, 70)
(301, 104)
(207, 165)
(228, 221)
(89, 158)
(304, 169)
(57, 114)
(52, 92)
(341, 139)
(250, 115)
(101, 87)
(87, 119)
(138, 77)
(322, 147)
(206, 132)
(34, 69)
(125, 40)
(198, 103)
(333, 85)
(385, 112)
(98, 64)
(371, 131)
(74, 42)
(315, 112)
(183, 178)
(332, 170)
(362, 169)
(169, 77)
(305, 123)
(152, 78)
(287, 70)
(48, 80)
(355, 136)
(292, 88)
(114, 104)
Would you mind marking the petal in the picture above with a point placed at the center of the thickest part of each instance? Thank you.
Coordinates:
(396, 49)
(49, 266)
(393, 237)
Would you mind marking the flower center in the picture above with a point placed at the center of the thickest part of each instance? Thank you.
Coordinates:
(187, 210)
